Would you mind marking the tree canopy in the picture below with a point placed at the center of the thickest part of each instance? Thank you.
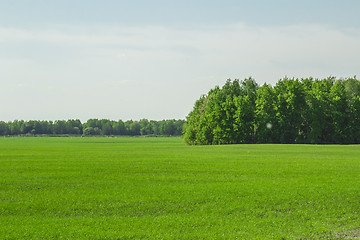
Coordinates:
(93, 127)
(303, 110)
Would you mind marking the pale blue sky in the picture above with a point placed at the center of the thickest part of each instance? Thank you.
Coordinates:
(153, 59)
(179, 13)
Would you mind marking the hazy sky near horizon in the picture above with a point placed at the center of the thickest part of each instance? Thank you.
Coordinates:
(68, 59)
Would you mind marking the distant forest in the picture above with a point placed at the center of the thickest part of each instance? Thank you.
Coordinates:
(93, 127)
(325, 111)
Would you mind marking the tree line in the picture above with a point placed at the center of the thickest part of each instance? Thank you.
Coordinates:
(93, 127)
(307, 110)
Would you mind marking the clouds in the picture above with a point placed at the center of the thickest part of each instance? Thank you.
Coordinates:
(156, 71)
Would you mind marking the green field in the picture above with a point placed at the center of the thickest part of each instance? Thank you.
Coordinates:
(159, 188)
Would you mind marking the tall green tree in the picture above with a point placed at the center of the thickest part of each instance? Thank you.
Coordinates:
(192, 125)
(265, 116)
(4, 128)
(293, 111)
(340, 113)
(320, 114)
(289, 106)
(354, 124)
(244, 125)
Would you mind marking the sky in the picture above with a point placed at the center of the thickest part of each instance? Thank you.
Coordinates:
(115, 59)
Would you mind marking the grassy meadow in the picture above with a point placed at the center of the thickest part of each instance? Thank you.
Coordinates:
(159, 188)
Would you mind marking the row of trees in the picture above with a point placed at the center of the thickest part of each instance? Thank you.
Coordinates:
(293, 111)
(93, 127)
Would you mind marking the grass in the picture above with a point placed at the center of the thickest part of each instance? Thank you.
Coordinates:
(158, 188)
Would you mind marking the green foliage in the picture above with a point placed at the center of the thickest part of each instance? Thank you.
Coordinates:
(293, 111)
(93, 127)
(265, 115)
(4, 129)
(158, 188)
(289, 108)
(91, 131)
